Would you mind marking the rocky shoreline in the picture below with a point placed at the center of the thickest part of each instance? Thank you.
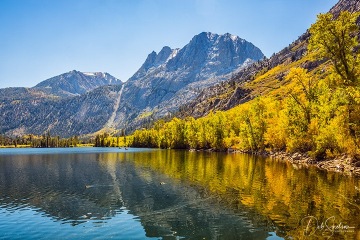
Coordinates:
(344, 163)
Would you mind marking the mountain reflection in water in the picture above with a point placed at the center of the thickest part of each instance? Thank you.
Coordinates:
(176, 193)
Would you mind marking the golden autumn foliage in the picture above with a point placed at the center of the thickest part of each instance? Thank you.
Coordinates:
(319, 114)
(336, 40)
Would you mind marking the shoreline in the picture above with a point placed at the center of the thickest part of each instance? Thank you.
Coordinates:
(344, 163)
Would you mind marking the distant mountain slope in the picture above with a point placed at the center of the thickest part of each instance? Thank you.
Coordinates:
(22, 93)
(257, 78)
(76, 83)
(72, 103)
(78, 115)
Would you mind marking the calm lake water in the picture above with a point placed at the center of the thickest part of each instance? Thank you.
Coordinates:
(103, 193)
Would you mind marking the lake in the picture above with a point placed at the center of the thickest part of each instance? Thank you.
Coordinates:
(103, 193)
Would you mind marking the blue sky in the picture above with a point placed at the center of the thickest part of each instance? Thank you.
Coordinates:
(40, 39)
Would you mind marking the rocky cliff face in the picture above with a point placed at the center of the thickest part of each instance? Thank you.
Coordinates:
(346, 5)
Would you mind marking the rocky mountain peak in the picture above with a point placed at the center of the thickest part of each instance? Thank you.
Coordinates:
(174, 76)
(232, 37)
(163, 55)
(155, 60)
(150, 60)
(214, 53)
(207, 53)
(214, 38)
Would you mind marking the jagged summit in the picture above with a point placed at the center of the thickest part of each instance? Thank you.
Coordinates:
(207, 53)
(213, 36)
(215, 53)
(155, 60)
